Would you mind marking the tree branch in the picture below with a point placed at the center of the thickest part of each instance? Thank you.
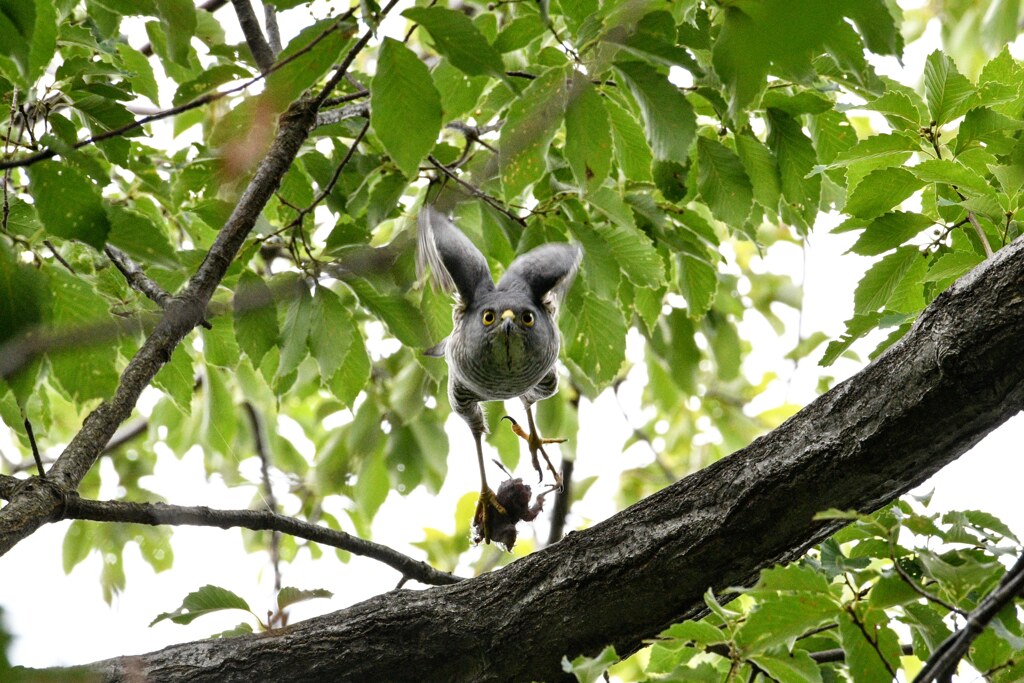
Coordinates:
(946, 658)
(254, 38)
(138, 279)
(953, 378)
(157, 514)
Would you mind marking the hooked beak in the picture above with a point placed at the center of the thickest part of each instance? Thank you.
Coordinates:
(507, 320)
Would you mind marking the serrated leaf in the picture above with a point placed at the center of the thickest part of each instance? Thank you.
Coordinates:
(256, 328)
(354, 373)
(595, 336)
(519, 33)
(590, 669)
(206, 600)
(698, 283)
(723, 183)
(952, 173)
(882, 191)
(79, 214)
(761, 168)
(529, 127)
(797, 667)
(140, 237)
(889, 231)
(670, 122)
(308, 62)
(403, 319)
(869, 661)
(782, 618)
(219, 422)
(796, 158)
(947, 91)
(372, 485)
(178, 21)
(588, 143)
(457, 38)
(288, 595)
(327, 341)
(295, 333)
(978, 126)
(632, 153)
(699, 632)
(405, 107)
(881, 280)
(177, 379)
(897, 105)
(631, 249)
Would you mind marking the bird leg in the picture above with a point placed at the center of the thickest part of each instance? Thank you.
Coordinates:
(536, 444)
(487, 507)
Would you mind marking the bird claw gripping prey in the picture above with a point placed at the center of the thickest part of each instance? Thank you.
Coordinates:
(504, 344)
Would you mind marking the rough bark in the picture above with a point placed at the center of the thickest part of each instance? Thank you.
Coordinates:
(953, 378)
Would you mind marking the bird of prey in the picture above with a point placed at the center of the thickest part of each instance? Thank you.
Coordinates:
(505, 340)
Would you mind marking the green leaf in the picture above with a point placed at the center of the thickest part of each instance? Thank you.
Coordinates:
(140, 237)
(79, 214)
(256, 328)
(632, 153)
(590, 669)
(978, 126)
(898, 108)
(670, 122)
(297, 321)
(403, 319)
(372, 485)
(89, 372)
(953, 173)
(948, 93)
(952, 265)
(219, 422)
(889, 231)
(761, 168)
(877, 25)
(79, 541)
(723, 183)
(139, 72)
(774, 36)
(24, 296)
(796, 158)
(176, 378)
(457, 38)
(782, 618)
(178, 21)
(308, 62)
(595, 336)
(630, 249)
(519, 33)
(328, 346)
(874, 660)
(882, 191)
(405, 107)
(797, 667)
(881, 280)
(529, 127)
(288, 596)
(206, 600)
(588, 142)
(354, 373)
(698, 283)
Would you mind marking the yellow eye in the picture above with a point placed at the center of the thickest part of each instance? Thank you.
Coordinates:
(528, 319)
(488, 318)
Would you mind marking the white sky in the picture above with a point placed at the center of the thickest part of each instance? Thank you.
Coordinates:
(86, 629)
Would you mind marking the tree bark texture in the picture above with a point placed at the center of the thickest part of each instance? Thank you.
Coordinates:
(952, 379)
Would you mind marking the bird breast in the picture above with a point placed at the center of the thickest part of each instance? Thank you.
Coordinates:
(505, 363)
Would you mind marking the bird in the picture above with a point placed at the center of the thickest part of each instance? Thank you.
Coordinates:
(504, 342)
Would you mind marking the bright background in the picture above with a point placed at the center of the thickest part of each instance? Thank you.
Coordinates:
(62, 619)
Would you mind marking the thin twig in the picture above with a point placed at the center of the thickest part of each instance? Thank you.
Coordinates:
(268, 491)
(475, 191)
(35, 449)
(302, 213)
(56, 255)
(977, 228)
(919, 589)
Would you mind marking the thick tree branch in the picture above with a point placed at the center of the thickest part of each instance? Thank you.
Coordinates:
(138, 279)
(951, 380)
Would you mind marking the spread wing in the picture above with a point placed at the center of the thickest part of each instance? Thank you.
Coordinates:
(546, 272)
(457, 265)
